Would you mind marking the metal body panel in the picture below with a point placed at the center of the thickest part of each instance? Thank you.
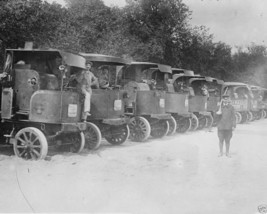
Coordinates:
(213, 104)
(176, 103)
(55, 107)
(25, 87)
(197, 103)
(6, 103)
(150, 102)
(240, 104)
(103, 104)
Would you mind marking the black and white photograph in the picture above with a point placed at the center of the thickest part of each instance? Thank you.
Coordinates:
(133, 106)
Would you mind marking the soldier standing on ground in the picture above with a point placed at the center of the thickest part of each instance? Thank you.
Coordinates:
(226, 124)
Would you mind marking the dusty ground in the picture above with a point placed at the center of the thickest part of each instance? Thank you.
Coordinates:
(177, 174)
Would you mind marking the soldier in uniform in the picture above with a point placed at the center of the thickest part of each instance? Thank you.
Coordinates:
(86, 79)
(226, 124)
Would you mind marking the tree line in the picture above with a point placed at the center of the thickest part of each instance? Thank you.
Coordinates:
(147, 30)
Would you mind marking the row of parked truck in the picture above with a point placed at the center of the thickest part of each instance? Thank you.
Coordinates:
(41, 108)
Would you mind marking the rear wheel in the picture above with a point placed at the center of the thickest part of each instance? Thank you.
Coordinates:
(202, 122)
(244, 117)
(118, 134)
(194, 122)
(159, 128)
(250, 116)
(238, 117)
(30, 144)
(139, 129)
(172, 126)
(209, 120)
(74, 142)
(183, 124)
(263, 114)
(92, 136)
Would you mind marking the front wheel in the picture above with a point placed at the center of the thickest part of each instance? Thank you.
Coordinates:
(92, 136)
(159, 128)
(140, 129)
(118, 134)
(30, 144)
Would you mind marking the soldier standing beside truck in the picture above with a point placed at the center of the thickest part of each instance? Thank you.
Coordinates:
(226, 124)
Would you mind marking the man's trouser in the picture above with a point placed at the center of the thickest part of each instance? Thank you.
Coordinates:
(87, 100)
(225, 135)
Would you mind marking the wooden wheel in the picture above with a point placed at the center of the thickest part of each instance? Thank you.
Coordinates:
(172, 126)
(92, 136)
(238, 117)
(202, 121)
(118, 134)
(159, 128)
(194, 122)
(263, 114)
(250, 116)
(244, 117)
(74, 141)
(30, 143)
(209, 121)
(139, 129)
(183, 124)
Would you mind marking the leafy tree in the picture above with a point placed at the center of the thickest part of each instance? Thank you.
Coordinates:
(35, 20)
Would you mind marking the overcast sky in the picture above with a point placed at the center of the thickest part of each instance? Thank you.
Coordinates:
(235, 22)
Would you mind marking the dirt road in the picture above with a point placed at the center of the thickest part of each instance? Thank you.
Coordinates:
(177, 174)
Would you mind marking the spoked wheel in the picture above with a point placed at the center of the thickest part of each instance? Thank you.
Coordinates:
(209, 120)
(194, 122)
(202, 122)
(159, 128)
(30, 143)
(118, 134)
(172, 126)
(139, 129)
(244, 117)
(238, 117)
(265, 113)
(74, 141)
(92, 136)
(183, 124)
(250, 116)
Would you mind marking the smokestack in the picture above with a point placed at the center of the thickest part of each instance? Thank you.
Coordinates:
(28, 45)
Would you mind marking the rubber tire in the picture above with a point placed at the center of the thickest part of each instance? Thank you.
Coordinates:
(41, 139)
